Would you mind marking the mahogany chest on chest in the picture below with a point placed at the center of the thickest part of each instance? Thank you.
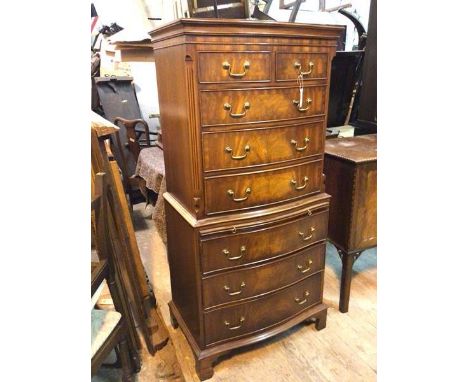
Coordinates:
(243, 148)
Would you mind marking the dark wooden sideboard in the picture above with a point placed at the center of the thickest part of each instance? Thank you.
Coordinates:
(351, 179)
(245, 209)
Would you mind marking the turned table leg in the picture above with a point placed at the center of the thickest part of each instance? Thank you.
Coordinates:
(347, 260)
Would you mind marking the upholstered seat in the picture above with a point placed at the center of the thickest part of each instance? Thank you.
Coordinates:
(103, 323)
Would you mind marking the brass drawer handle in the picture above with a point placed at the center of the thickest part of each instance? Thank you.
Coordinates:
(227, 66)
(299, 301)
(311, 229)
(228, 324)
(305, 270)
(298, 67)
(247, 192)
(298, 188)
(302, 109)
(228, 107)
(242, 253)
(228, 149)
(227, 289)
(306, 142)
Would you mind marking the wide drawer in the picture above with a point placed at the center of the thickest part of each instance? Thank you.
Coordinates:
(242, 191)
(243, 148)
(235, 249)
(234, 66)
(225, 323)
(241, 284)
(219, 107)
(312, 66)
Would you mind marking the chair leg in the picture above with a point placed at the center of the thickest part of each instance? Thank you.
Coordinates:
(127, 374)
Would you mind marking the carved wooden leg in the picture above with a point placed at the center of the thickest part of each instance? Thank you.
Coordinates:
(127, 375)
(347, 260)
(321, 320)
(204, 368)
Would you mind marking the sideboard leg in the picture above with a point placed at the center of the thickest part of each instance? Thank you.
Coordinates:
(204, 367)
(348, 260)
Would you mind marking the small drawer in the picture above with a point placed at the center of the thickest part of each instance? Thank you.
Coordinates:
(241, 284)
(244, 148)
(313, 66)
(225, 323)
(215, 67)
(228, 107)
(257, 244)
(225, 193)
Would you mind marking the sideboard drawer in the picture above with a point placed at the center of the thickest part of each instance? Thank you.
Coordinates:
(248, 317)
(259, 243)
(311, 65)
(244, 148)
(257, 280)
(234, 66)
(221, 107)
(241, 191)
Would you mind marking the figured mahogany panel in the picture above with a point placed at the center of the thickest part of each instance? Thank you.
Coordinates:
(241, 66)
(312, 65)
(262, 243)
(251, 147)
(339, 178)
(230, 322)
(260, 105)
(247, 190)
(364, 223)
(253, 281)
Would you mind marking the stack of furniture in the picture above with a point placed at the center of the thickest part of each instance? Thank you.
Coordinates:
(119, 102)
(226, 9)
(246, 213)
(351, 180)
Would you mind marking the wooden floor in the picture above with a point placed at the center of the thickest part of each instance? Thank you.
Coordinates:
(344, 351)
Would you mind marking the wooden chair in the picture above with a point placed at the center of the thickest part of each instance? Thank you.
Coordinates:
(133, 143)
(109, 329)
(120, 105)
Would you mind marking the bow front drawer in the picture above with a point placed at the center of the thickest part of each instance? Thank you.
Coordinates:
(237, 285)
(257, 243)
(244, 148)
(216, 67)
(252, 316)
(313, 66)
(223, 107)
(242, 191)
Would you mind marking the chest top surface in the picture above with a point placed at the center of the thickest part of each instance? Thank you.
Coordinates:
(358, 149)
(236, 27)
